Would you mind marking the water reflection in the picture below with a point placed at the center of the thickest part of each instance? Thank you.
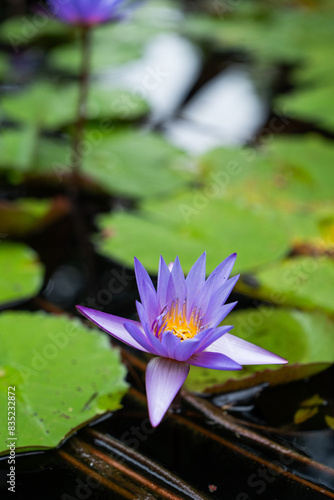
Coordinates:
(164, 75)
(226, 111)
(64, 285)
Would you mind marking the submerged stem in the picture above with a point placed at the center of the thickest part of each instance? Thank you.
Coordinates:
(85, 39)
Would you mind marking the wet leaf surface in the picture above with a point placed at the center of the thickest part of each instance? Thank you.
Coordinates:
(24, 216)
(38, 105)
(304, 282)
(189, 225)
(60, 384)
(291, 334)
(21, 272)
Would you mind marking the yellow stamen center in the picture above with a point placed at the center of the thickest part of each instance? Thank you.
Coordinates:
(175, 321)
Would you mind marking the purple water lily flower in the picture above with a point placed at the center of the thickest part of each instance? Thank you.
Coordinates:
(179, 323)
(88, 12)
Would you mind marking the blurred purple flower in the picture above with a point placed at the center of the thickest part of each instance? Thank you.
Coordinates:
(89, 12)
(180, 323)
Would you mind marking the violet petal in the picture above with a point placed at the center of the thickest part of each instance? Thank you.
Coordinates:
(163, 278)
(245, 352)
(223, 270)
(149, 301)
(179, 281)
(138, 335)
(152, 339)
(215, 334)
(114, 325)
(164, 378)
(218, 298)
(142, 275)
(214, 360)
(220, 314)
(171, 343)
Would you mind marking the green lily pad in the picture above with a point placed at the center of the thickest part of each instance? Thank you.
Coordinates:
(22, 274)
(291, 177)
(52, 106)
(187, 226)
(314, 105)
(329, 421)
(137, 164)
(269, 32)
(21, 31)
(17, 149)
(64, 375)
(290, 172)
(4, 66)
(306, 340)
(124, 49)
(305, 282)
(114, 44)
(42, 105)
(21, 217)
(122, 161)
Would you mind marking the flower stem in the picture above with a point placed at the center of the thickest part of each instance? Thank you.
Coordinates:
(85, 40)
(79, 223)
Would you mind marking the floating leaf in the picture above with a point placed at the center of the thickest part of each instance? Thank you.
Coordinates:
(305, 282)
(278, 32)
(329, 421)
(52, 106)
(21, 273)
(19, 31)
(289, 172)
(18, 218)
(109, 103)
(135, 164)
(187, 226)
(122, 161)
(314, 105)
(17, 149)
(291, 177)
(128, 41)
(4, 66)
(306, 340)
(315, 400)
(64, 376)
(125, 48)
(304, 414)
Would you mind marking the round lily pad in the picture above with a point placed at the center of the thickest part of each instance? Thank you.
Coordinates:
(63, 374)
(51, 106)
(187, 226)
(21, 272)
(306, 340)
(305, 282)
